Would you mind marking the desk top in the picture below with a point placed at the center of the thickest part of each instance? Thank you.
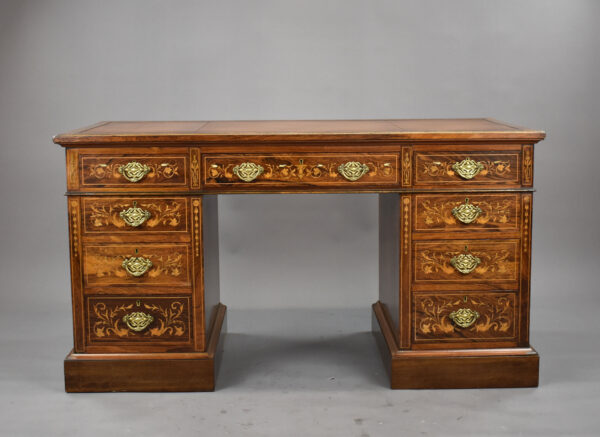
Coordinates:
(297, 130)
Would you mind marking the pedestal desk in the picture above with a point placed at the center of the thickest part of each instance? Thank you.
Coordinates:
(455, 213)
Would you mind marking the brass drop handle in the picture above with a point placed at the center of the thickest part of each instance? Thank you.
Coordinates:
(136, 265)
(353, 170)
(465, 263)
(467, 212)
(138, 321)
(248, 171)
(134, 216)
(464, 317)
(134, 171)
(467, 168)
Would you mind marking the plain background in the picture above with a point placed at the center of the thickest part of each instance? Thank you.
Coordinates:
(66, 64)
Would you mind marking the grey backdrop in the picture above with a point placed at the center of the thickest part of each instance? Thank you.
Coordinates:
(65, 64)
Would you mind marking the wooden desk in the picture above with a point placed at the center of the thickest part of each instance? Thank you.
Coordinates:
(455, 209)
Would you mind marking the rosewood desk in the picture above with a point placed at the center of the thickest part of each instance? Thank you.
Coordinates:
(455, 211)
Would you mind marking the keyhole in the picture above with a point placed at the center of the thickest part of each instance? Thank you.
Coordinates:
(138, 302)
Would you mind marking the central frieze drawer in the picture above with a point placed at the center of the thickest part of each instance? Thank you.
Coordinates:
(144, 215)
(138, 319)
(445, 317)
(341, 169)
(137, 264)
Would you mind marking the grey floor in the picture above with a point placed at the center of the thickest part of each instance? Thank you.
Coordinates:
(299, 373)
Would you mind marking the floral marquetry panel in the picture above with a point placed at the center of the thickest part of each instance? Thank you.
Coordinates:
(444, 168)
(145, 319)
(128, 214)
(357, 169)
(133, 171)
(493, 316)
(469, 211)
(128, 264)
(446, 261)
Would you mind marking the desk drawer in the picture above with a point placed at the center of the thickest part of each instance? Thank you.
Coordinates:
(467, 212)
(138, 319)
(467, 168)
(135, 171)
(135, 215)
(325, 169)
(137, 264)
(466, 264)
(454, 317)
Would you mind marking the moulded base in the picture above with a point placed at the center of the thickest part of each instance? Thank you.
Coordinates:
(147, 372)
(471, 368)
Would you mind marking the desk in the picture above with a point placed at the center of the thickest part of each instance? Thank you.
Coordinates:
(455, 214)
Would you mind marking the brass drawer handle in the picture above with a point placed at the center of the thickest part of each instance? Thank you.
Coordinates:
(465, 263)
(135, 216)
(464, 317)
(134, 171)
(138, 321)
(353, 170)
(136, 265)
(467, 168)
(467, 212)
(248, 171)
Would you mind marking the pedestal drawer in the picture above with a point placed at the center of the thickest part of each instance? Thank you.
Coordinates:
(327, 169)
(137, 264)
(466, 264)
(138, 319)
(460, 317)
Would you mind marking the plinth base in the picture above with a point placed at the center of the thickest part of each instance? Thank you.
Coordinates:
(470, 368)
(147, 372)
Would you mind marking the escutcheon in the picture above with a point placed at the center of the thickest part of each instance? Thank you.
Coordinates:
(465, 263)
(353, 170)
(464, 317)
(248, 171)
(134, 171)
(138, 321)
(467, 212)
(134, 216)
(467, 168)
(136, 265)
